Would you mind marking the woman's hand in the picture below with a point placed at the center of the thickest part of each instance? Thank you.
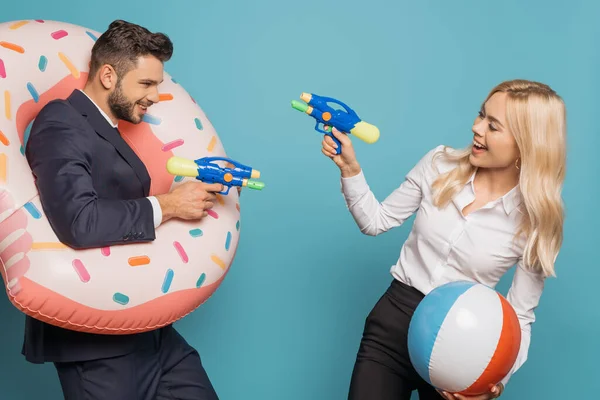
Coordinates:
(494, 393)
(346, 161)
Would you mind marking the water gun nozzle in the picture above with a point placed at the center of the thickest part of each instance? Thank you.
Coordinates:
(305, 97)
(300, 106)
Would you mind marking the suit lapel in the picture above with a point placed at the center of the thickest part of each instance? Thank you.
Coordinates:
(88, 109)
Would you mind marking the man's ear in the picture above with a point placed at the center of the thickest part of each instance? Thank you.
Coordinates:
(108, 76)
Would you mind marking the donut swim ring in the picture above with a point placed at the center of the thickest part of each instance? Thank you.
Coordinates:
(122, 289)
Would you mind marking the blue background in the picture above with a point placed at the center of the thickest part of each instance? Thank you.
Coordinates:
(287, 321)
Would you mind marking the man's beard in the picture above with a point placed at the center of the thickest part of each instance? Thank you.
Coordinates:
(121, 107)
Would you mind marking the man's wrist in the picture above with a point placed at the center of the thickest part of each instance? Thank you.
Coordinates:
(168, 211)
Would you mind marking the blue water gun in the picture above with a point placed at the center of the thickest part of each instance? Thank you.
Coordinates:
(346, 120)
(206, 170)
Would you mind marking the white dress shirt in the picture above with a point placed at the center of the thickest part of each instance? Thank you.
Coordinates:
(444, 245)
(156, 210)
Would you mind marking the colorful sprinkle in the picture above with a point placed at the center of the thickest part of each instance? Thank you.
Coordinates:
(218, 261)
(120, 298)
(48, 246)
(2, 69)
(33, 92)
(198, 123)
(193, 99)
(220, 199)
(228, 241)
(43, 63)
(172, 145)
(105, 251)
(7, 104)
(165, 97)
(181, 252)
(59, 34)
(151, 119)
(17, 25)
(196, 232)
(32, 209)
(178, 178)
(41, 21)
(3, 165)
(201, 280)
(90, 34)
(237, 226)
(212, 214)
(139, 260)
(237, 206)
(173, 80)
(74, 71)
(167, 282)
(13, 47)
(211, 145)
(3, 139)
(83, 273)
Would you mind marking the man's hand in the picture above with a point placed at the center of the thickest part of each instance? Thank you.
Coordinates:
(189, 201)
(494, 393)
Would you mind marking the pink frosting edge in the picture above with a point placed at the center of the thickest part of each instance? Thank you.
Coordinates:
(46, 305)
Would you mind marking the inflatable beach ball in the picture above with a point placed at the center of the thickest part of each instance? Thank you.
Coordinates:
(121, 288)
(464, 337)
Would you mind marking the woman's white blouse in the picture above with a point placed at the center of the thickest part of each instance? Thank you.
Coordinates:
(444, 245)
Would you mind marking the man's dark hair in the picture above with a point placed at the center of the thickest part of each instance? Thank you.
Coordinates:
(123, 43)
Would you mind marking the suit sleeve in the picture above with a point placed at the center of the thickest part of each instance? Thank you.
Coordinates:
(59, 155)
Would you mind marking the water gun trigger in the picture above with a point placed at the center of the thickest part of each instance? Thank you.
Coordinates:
(326, 131)
(225, 191)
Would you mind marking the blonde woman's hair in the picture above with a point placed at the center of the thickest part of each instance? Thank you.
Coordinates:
(536, 116)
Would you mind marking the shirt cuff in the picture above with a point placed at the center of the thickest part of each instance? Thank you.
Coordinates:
(157, 211)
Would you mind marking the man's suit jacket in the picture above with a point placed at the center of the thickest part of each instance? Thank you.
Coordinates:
(93, 190)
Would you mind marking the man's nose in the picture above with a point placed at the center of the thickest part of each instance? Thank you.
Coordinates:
(154, 96)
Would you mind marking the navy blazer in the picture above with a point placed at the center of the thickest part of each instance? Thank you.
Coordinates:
(93, 190)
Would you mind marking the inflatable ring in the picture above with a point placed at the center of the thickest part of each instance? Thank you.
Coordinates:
(122, 289)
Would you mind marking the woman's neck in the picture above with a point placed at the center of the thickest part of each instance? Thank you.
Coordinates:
(496, 182)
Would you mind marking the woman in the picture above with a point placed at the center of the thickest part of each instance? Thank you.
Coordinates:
(479, 212)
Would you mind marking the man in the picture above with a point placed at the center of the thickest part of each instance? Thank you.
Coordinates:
(94, 191)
